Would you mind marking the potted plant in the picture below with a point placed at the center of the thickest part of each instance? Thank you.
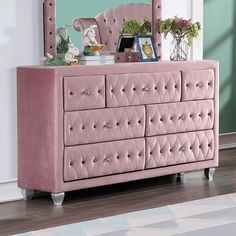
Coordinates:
(135, 27)
(183, 32)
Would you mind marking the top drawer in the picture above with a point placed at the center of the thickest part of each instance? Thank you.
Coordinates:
(143, 88)
(84, 92)
(197, 84)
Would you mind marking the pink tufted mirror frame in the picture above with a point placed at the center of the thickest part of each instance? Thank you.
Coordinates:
(50, 26)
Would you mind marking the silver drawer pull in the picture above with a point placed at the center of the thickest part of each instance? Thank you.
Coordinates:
(107, 126)
(200, 85)
(146, 89)
(86, 92)
(107, 159)
(182, 117)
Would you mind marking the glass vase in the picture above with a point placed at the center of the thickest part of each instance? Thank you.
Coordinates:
(179, 49)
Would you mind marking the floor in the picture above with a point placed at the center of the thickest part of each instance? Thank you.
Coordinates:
(16, 217)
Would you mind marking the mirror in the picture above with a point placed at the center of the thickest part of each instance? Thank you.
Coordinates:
(83, 9)
(59, 14)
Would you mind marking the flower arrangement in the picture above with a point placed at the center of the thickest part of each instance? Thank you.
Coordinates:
(135, 27)
(180, 28)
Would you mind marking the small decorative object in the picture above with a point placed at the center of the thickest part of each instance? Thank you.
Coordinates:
(91, 46)
(62, 40)
(126, 43)
(126, 50)
(49, 60)
(71, 53)
(183, 32)
(135, 27)
(97, 60)
(146, 48)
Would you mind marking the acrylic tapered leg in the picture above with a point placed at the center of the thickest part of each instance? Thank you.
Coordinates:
(27, 194)
(180, 175)
(58, 198)
(209, 173)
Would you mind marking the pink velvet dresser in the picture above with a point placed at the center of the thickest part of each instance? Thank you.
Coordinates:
(86, 126)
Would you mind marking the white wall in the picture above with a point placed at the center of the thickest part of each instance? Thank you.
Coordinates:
(21, 43)
(186, 9)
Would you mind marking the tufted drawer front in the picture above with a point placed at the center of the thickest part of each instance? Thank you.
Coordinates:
(92, 160)
(84, 92)
(197, 84)
(143, 88)
(104, 125)
(179, 117)
(179, 148)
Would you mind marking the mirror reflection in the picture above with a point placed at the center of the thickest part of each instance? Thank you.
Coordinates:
(66, 11)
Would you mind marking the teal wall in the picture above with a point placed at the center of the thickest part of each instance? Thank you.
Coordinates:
(67, 10)
(220, 44)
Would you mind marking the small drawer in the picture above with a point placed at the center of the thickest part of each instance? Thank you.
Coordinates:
(84, 92)
(101, 159)
(179, 117)
(197, 84)
(143, 88)
(104, 125)
(181, 148)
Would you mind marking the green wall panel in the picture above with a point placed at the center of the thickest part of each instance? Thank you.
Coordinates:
(67, 10)
(220, 44)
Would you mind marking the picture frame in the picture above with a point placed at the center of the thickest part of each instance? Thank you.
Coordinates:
(146, 48)
(126, 43)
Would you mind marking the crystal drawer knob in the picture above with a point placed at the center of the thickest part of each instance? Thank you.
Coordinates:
(146, 89)
(200, 85)
(182, 117)
(86, 92)
(108, 159)
(107, 126)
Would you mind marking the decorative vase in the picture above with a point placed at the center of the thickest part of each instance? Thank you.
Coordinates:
(179, 49)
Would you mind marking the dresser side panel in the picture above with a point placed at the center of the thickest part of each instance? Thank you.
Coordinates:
(216, 108)
(40, 133)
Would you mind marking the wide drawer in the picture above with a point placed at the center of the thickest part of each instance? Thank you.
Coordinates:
(109, 158)
(197, 84)
(179, 117)
(84, 92)
(143, 88)
(175, 149)
(104, 125)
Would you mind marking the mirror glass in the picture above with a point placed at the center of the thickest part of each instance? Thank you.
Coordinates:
(67, 10)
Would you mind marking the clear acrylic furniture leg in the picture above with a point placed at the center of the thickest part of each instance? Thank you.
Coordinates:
(180, 175)
(27, 194)
(58, 198)
(209, 173)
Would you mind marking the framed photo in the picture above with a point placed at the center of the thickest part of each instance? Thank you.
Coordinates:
(146, 48)
(126, 43)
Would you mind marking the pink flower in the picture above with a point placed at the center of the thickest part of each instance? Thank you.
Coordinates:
(184, 23)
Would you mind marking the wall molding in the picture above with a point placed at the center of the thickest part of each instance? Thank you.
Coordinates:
(227, 141)
(9, 191)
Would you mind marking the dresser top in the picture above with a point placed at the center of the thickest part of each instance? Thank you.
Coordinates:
(118, 68)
